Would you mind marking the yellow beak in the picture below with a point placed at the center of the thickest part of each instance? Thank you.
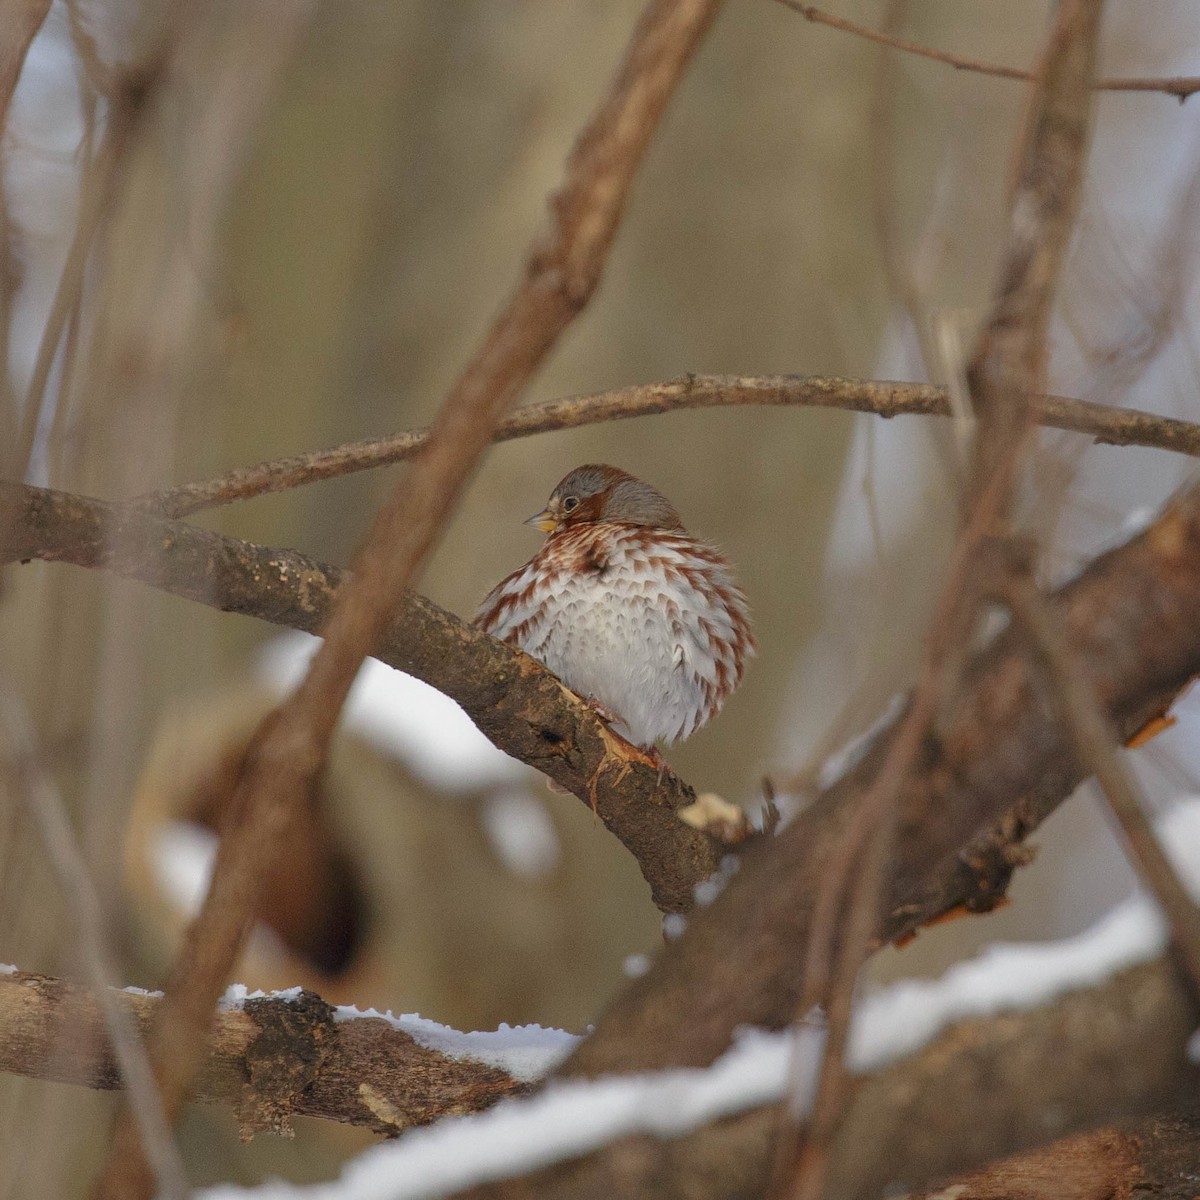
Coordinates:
(545, 520)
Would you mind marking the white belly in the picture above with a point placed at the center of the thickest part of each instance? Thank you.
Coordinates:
(657, 637)
(625, 652)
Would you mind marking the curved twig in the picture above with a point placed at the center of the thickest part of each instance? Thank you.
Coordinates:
(884, 398)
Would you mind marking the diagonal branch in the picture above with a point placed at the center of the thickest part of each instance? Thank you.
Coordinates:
(516, 701)
(884, 398)
(991, 770)
(562, 272)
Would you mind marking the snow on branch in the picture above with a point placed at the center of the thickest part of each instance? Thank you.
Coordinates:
(1001, 1053)
(286, 1054)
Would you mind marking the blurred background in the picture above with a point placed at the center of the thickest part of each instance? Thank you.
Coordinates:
(258, 227)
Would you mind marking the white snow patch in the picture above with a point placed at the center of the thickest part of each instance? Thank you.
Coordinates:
(525, 1051)
(568, 1119)
(1138, 521)
(521, 833)
(8, 969)
(851, 754)
(182, 856)
(1193, 1048)
(153, 993)
(236, 995)
(898, 1020)
(403, 718)
(674, 926)
(636, 965)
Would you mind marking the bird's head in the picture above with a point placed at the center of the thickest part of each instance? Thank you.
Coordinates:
(600, 493)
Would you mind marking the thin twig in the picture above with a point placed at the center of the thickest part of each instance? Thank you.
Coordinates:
(884, 398)
(48, 813)
(562, 273)
(831, 965)
(1008, 367)
(1179, 86)
(100, 179)
(1096, 744)
(20, 21)
(1006, 372)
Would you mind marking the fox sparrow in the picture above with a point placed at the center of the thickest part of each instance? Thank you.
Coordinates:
(626, 608)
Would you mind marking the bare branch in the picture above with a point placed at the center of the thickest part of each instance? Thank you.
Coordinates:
(1008, 366)
(271, 1058)
(1114, 426)
(1180, 86)
(1153, 1157)
(48, 813)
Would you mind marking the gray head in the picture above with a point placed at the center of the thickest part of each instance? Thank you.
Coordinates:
(599, 493)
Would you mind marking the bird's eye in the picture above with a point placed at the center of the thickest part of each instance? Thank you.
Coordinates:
(570, 503)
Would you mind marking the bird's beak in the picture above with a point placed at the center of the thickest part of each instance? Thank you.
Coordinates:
(545, 520)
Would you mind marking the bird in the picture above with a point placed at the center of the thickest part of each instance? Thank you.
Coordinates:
(640, 619)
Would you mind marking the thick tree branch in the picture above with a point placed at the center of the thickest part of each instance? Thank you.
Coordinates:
(984, 1089)
(1180, 86)
(994, 766)
(1155, 1157)
(519, 704)
(271, 1059)
(1104, 423)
